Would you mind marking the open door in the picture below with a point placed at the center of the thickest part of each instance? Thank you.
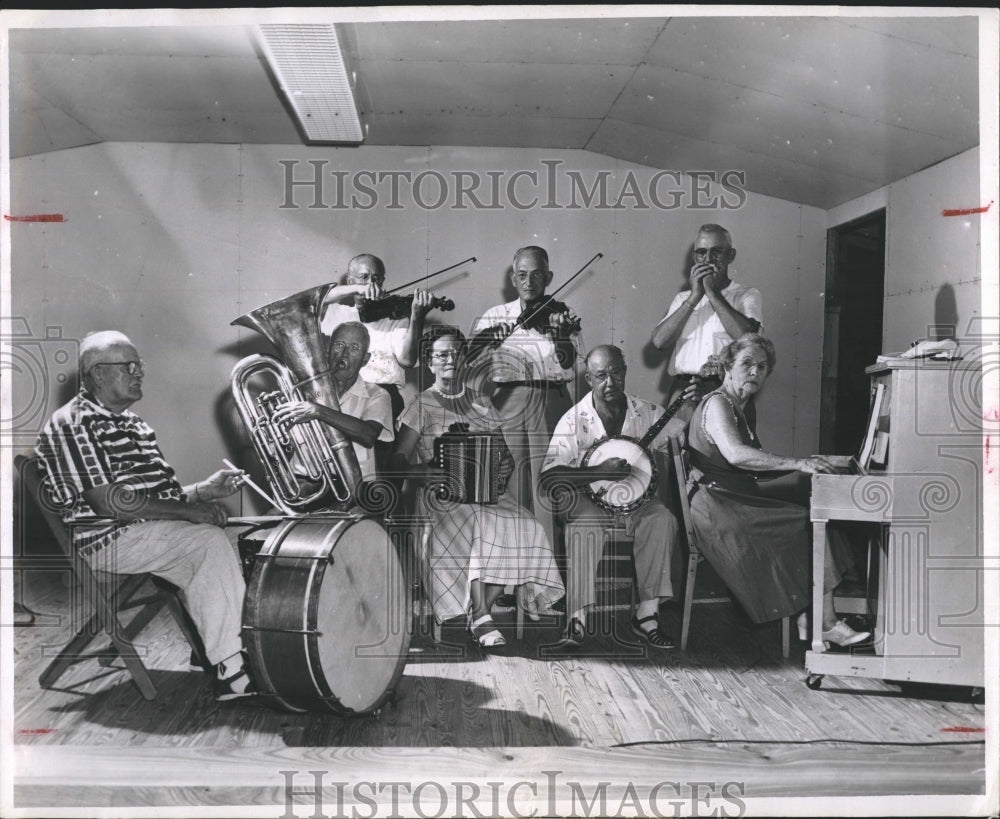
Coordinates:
(852, 337)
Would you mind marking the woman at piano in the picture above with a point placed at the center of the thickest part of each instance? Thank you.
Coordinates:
(750, 507)
(470, 551)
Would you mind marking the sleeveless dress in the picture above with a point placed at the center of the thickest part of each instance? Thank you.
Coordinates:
(753, 528)
(461, 542)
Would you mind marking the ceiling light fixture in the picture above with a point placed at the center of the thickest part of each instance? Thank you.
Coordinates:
(308, 65)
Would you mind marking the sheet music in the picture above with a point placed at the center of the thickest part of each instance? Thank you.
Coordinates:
(866, 449)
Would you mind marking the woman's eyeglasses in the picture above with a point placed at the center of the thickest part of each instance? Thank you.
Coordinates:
(444, 355)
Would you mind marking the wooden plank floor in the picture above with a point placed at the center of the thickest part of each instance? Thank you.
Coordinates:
(731, 702)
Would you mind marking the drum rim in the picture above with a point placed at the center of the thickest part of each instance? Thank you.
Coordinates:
(330, 702)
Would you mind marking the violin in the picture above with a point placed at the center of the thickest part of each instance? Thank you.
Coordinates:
(537, 317)
(395, 307)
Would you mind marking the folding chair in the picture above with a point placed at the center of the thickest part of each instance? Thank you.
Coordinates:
(694, 555)
(105, 596)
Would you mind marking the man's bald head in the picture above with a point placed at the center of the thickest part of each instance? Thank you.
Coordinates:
(605, 355)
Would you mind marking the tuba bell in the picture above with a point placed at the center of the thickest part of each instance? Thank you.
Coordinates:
(309, 466)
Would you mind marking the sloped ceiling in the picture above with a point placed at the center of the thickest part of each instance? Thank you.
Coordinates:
(813, 110)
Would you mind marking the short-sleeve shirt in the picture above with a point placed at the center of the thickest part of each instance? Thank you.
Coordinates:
(525, 355)
(581, 426)
(387, 339)
(703, 334)
(84, 446)
(369, 403)
(430, 416)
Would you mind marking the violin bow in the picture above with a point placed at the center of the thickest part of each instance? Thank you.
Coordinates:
(432, 275)
(556, 292)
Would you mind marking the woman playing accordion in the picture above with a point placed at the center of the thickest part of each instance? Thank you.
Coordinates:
(469, 551)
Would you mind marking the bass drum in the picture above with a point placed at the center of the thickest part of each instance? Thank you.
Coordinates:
(631, 492)
(326, 620)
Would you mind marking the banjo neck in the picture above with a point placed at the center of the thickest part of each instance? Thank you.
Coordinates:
(661, 422)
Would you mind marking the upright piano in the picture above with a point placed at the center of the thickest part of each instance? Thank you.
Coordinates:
(918, 480)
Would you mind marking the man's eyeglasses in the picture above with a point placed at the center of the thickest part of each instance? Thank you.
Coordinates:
(617, 373)
(714, 253)
(130, 366)
(338, 347)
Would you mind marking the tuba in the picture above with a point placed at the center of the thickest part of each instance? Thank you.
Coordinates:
(310, 465)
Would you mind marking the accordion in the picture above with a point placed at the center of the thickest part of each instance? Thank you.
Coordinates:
(471, 461)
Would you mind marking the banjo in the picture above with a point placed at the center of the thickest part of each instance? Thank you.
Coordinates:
(635, 489)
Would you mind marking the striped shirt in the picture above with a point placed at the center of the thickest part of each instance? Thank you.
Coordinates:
(85, 445)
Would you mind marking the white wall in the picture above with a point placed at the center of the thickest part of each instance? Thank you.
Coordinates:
(171, 242)
(933, 264)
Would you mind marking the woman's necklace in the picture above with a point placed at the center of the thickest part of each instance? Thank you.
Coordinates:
(739, 415)
(452, 395)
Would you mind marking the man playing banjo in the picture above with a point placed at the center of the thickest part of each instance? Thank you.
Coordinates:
(607, 410)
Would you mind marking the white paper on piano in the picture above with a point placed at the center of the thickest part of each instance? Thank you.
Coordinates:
(945, 349)
(866, 450)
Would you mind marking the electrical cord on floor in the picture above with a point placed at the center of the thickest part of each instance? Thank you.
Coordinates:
(795, 742)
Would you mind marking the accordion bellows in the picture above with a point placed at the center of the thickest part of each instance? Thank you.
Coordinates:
(471, 461)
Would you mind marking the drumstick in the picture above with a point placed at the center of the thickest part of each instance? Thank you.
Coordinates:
(250, 520)
(252, 485)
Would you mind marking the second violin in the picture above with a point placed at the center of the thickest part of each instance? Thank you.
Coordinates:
(395, 307)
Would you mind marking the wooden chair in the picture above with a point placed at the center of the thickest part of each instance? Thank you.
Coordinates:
(105, 597)
(694, 555)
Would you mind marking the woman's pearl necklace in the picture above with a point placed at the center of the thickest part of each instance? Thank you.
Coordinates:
(458, 394)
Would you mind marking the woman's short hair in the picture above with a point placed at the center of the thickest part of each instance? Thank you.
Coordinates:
(745, 342)
(433, 333)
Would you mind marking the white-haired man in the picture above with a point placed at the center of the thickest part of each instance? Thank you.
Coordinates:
(709, 312)
(99, 458)
(365, 414)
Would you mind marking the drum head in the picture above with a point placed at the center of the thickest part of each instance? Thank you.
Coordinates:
(623, 494)
(361, 617)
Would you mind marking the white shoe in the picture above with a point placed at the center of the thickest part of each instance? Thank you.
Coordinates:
(802, 624)
(843, 635)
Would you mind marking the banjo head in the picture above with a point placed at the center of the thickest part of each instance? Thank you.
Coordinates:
(628, 494)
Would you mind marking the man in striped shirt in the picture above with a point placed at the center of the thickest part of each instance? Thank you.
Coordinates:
(99, 458)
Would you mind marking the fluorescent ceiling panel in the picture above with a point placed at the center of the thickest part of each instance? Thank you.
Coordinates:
(308, 65)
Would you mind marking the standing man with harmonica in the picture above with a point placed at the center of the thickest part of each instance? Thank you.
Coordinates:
(534, 364)
(710, 311)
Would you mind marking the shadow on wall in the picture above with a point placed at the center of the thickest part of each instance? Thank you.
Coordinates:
(945, 314)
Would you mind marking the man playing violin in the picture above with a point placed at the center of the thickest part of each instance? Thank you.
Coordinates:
(394, 342)
(709, 312)
(607, 410)
(531, 370)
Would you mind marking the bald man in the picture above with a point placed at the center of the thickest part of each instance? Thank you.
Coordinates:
(607, 410)
(99, 458)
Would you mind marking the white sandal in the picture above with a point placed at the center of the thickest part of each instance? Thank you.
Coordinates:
(486, 632)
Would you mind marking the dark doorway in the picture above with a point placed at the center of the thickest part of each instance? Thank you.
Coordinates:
(855, 278)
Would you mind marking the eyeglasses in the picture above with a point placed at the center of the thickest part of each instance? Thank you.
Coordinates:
(444, 355)
(617, 373)
(714, 253)
(338, 347)
(365, 278)
(130, 366)
(534, 276)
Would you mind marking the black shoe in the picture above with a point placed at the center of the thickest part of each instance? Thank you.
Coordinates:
(236, 686)
(504, 603)
(656, 637)
(574, 635)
